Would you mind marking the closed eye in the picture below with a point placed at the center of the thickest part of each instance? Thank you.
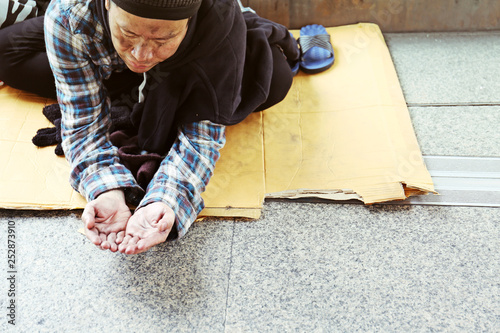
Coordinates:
(128, 34)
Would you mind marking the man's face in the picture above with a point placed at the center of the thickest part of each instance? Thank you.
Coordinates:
(143, 43)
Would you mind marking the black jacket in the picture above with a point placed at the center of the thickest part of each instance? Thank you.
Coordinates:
(221, 72)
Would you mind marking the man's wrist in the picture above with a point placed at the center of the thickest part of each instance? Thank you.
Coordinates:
(115, 194)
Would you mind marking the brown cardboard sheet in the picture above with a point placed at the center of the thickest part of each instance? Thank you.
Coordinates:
(346, 133)
(341, 134)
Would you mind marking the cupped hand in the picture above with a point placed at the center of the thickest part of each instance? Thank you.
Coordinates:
(105, 219)
(149, 226)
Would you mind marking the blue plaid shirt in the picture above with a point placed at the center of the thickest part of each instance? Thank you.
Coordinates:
(80, 61)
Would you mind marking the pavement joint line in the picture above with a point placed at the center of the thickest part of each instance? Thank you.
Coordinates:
(462, 181)
(452, 104)
(476, 33)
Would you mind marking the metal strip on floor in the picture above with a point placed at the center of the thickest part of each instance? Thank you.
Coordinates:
(462, 181)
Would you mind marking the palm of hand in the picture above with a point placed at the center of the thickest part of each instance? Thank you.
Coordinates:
(148, 227)
(112, 220)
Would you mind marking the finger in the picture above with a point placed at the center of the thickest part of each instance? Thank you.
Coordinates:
(105, 245)
(93, 236)
(165, 223)
(132, 245)
(104, 242)
(142, 247)
(119, 237)
(88, 216)
(112, 242)
(124, 243)
(154, 239)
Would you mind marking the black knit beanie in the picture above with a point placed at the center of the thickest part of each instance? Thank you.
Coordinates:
(160, 9)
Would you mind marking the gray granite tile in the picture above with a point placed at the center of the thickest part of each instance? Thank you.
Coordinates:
(348, 268)
(65, 284)
(457, 131)
(447, 68)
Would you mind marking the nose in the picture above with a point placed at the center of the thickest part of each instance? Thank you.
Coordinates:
(142, 52)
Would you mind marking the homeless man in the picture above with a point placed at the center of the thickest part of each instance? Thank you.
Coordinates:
(192, 67)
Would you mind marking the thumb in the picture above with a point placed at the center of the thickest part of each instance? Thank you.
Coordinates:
(166, 222)
(88, 216)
